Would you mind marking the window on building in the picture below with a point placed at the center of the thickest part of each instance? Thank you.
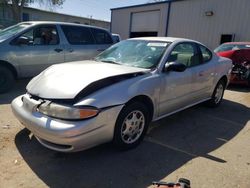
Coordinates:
(226, 38)
(143, 34)
(78, 35)
(26, 17)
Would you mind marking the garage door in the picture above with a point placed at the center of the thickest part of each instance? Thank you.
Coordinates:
(145, 22)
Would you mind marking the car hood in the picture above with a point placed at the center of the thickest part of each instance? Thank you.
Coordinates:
(67, 80)
(237, 56)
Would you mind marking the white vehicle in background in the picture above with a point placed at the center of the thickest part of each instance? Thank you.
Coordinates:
(116, 38)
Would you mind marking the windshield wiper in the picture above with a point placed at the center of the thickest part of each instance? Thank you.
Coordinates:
(109, 61)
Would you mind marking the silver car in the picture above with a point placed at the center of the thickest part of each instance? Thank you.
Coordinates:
(75, 106)
(30, 47)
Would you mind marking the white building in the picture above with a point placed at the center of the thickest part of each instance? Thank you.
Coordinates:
(33, 14)
(211, 22)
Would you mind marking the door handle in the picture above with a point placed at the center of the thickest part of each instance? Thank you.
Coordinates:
(58, 50)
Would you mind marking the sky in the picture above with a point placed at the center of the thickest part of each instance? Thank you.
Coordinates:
(97, 9)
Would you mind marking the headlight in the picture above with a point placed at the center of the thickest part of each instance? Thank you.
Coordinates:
(67, 112)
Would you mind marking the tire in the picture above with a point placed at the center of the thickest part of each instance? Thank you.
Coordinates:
(128, 136)
(217, 94)
(6, 79)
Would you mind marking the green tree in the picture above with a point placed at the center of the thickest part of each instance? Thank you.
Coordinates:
(17, 5)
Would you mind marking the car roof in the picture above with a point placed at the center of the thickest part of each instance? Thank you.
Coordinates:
(61, 23)
(165, 39)
(246, 43)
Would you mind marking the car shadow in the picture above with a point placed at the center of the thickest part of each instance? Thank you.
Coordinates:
(239, 88)
(18, 89)
(169, 144)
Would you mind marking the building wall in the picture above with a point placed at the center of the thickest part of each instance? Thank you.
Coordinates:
(187, 19)
(6, 18)
(121, 18)
(36, 15)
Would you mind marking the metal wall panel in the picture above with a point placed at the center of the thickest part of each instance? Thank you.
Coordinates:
(188, 19)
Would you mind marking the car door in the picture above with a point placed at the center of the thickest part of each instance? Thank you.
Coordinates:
(203, 69)
(80, 43)
(176, 87)
(42, 50)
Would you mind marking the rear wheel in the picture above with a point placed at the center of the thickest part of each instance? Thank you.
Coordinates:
(131, 126)
(6, 79)
(217, 94)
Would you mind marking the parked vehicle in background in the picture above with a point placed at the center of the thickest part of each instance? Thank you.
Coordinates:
(229, 46)
(116, 38)
(239, 53)
(117, 95)
(30, 47)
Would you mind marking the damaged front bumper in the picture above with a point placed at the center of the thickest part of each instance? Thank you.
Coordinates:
(64, 135)
(240, 73)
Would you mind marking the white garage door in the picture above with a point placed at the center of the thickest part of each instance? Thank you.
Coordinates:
(145, 21)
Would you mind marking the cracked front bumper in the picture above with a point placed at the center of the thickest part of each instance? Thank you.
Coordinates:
(64, 135)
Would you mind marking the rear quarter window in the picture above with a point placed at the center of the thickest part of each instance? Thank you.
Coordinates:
(101, 36)
(206, 54)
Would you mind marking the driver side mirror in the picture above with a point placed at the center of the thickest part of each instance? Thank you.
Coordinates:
(174, 66)
(23, 41)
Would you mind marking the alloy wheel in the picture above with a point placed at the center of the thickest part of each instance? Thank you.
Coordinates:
(132, 127)
(219, 93)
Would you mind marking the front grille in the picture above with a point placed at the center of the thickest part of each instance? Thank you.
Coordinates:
(58, 101)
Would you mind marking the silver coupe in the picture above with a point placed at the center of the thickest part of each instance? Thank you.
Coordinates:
(78, 105)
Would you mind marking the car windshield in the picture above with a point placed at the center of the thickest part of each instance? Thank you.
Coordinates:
(136, 53)
(10, 31)
(228, 47)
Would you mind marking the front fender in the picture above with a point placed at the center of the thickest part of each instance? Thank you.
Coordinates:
(121, 92)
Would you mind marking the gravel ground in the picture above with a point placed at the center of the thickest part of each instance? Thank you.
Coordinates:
(208, 146)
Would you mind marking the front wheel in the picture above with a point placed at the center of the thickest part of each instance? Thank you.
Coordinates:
(131, 126)
(217, 94)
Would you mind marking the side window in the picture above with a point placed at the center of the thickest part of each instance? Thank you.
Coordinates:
(42, 35)
(29, 35)
(185, 53)
(78, 35)
(101, 36)
(206, 54)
